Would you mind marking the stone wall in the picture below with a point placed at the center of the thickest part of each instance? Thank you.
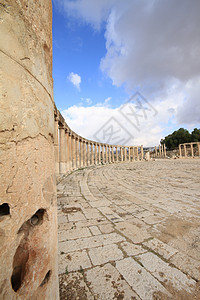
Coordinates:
(28, 218)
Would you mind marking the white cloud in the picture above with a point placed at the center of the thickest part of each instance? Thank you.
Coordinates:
(151, 45)
(88, 101)
(88, 122)
(107, 100)
(75, 79)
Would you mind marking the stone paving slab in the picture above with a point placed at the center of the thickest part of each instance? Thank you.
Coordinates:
(130, 231)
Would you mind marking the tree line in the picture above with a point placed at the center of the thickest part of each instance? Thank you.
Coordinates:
(181, 136)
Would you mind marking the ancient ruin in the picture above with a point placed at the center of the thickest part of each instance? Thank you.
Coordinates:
(121, 224)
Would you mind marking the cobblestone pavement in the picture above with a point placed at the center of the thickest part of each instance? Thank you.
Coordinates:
(130, 231)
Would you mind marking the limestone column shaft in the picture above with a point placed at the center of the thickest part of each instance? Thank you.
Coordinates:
(180, 150)
(102, 150)
(67, 150)
(88, 153)
(113, 158)
(159, 151)
(95, 150)
(192, 150)
(84, 154)
(73, 152)
(165, 152)
(121, 153)
(62, 157)
(116, 149)
(185, 150)
(129, 153)
(92, 154)
(70, 151)
(125, 153)
(77, 153)
(109, 155)
(137, 155)
(142, 152)
(106, 151)
(99, 154)
(81, 154)
(56, 146)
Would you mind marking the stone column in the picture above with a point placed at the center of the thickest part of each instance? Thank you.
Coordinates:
(102, 149)
(137, 155)
(70, 150)
(160, 151)
(180, 150)
(156, 154)
(116, 149)
(28, 258)
(99, 154)
(129, 153)
(121, 153)
(142, 152)
(125, 153)
(81, 154)
(62, 159)
(198, 148)
(92, 154)
(185, 150)
(56, 145)
(109, 154)
(66, 149)
(85, 154)
(77, 152)
(73, 152)
(113, 157)
(192, 150)
(165, 152)
(95, 149)
(106, 152)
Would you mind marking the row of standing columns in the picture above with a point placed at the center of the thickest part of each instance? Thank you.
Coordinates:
(73, 152)
(185, 152)
(160, 151)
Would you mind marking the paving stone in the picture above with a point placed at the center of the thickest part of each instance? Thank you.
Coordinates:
(141, 281)
(90, 242)
(92, 213)
(77, 216)
(110, 214)
(161, 248)
(73, 287)
(73, 234)
(132, 249)
(132, 232)
(106, 228)
(170, 276)
(186, 264)
(104, 254)
(95, 230)
(106, 283)
(73, 261)
(100, 203)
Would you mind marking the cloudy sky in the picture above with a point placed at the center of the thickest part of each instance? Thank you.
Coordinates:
(127, 71)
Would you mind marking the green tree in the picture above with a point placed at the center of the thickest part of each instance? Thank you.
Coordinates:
(195, 135)
(180, 136)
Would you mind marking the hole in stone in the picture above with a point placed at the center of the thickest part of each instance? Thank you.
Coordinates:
(19, 264)
(46, 278)
(37, 218)
(4, 209)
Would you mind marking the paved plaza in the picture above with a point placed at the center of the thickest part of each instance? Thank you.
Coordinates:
(130, 231)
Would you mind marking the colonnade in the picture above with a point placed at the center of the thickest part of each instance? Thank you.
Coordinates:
(160, 151)
(187, 149)
(73, 151)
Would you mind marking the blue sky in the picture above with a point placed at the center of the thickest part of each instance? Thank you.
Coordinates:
(78, 48)
(105, 51)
